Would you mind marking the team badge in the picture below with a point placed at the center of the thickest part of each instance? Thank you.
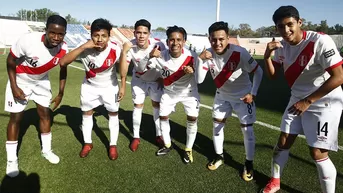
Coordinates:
(55, 60)
(232, 66)
(109, 62)
(303, 60)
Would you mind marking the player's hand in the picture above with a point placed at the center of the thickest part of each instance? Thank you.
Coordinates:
(300, 107)
(90, 44)
(248, 98)
(160, 85)
(121, 94)
(18, 94)
(205, 54)
(127, 46)
(57, 100)
(188, 70)
(155, 53)
(271, 46)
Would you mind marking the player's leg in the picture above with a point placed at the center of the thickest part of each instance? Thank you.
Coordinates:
(112, 106)
(321, 131)
(191, 106)
(42, 97)
(155, 94)
(16, 109)
(221, 110)
(138, 90)
(89, 99)
(290, 128)
(247, 116)
(167, 106)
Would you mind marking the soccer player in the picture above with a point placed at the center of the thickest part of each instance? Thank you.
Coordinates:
(313, 70)
(176, 66)
(28, 64)
(144, 81)
(230, 66)
(100, 86)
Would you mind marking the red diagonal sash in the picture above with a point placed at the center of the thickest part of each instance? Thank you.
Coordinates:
(189, 61)
(228, 69)
(44, 68)
(294, 71)
(109, 61)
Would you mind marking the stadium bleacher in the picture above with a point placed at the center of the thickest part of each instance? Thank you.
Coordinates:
(11, 30)
(76, 35)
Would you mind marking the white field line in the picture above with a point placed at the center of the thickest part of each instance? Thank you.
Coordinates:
(234, 115)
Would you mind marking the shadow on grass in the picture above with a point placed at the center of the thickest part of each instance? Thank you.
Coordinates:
(22, 183)
(272, 95)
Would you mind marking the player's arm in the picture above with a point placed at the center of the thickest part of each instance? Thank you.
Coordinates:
(63, 79)
(71, 56)
(271, 69)
(18, 94)
(123, 69)
(202, 68)
(258, 75)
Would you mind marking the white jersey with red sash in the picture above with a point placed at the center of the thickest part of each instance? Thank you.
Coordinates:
(174, 79)
(230, 72)
(306, 64)
(140, 57)
(35, 59)
(99, 66)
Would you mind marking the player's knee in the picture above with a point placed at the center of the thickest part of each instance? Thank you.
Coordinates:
(219, 120)
(112, 113)
(140, 106)
(163, 118)
(191, 119)
(155, 104)
(248, 132)
(286, 140)
(318, 154)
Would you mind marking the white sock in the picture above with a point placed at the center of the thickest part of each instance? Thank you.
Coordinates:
(113, 125)
(327, 174)
(87, 126)
(249, 142)
(218, 137)
(165, 127)
(46, 142)
(11, 149)
(192, 129)
(279, 160)
(136, 121)
(157, 121)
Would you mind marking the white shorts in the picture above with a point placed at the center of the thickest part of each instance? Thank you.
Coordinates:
(93, 96)
(190, 103)
(40, 92)
(140, 89)
(319, 127)
(223, 109)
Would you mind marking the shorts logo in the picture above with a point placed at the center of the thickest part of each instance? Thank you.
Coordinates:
(251, 60)
(303, 60)
(329, 53)
(55, 60)
(10, 103)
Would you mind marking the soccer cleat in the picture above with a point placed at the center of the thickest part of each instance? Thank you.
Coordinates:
(163, 151)
(51, 157)
(159, 141)
(188, 157)
(112, 153)
(272, 186)
(85, 150)
(12, 169)
(247, 175)
(216, 162)
(134, 144)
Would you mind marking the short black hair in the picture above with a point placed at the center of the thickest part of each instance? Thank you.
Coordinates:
(175, 28)
(285, 12)
(100, 24)
(219, 25)
(56, 19)
(143, 22)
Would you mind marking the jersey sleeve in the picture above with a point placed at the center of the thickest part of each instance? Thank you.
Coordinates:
(249, 63)
(327, 53)
(19, 48)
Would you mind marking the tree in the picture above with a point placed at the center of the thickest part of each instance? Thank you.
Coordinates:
(245, 30)
(323, 27)
(35, 15)
(160, 29)
(72, 20)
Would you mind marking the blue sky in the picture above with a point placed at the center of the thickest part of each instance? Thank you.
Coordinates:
(194, 15)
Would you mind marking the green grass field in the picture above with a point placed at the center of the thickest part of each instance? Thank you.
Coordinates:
(142, 171)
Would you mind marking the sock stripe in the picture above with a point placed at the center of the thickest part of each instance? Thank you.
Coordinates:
(45, 133)
(321, 160)
(11, 142)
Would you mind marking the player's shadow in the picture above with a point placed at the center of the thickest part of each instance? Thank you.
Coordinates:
(23, 183)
